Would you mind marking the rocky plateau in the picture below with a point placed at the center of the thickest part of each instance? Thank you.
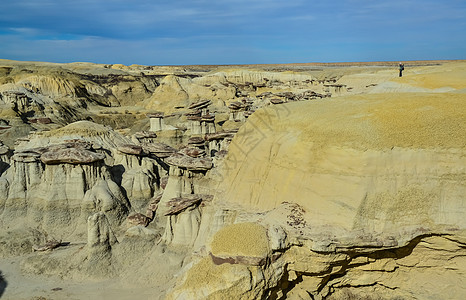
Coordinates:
(300, 181)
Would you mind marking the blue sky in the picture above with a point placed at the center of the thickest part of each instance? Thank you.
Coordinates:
(176, 32)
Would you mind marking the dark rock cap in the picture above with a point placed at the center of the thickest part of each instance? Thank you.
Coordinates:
(194, 140)
(26, 156)
(276, 101)
(208, 118)
(236, 105)
(157, 114)
(130, 149)
(192, 152)
(74, 156)
(159, 149)
(200, 104)
(196, 113)
(177, 205)
(189, 163)
(145, 135)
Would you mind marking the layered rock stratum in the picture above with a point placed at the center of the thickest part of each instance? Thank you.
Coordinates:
(304, 181)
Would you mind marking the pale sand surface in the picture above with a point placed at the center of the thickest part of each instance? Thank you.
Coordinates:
(25, 287)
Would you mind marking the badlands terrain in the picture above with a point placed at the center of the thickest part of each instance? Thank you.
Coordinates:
(300, 181)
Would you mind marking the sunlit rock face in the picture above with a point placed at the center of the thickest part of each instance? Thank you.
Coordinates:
(246, 182)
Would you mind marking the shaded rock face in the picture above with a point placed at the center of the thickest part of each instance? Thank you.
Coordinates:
(100, 240)
(58, 186)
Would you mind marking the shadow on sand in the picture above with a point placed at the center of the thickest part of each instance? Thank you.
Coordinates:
(2, 284)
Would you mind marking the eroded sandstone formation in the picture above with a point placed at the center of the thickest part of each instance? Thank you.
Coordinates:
(241, 183)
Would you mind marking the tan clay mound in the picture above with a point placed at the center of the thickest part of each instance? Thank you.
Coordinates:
(81, 127)
(451, 75)
(377, 162)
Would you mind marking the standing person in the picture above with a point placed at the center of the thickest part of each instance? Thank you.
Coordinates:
(402, 67)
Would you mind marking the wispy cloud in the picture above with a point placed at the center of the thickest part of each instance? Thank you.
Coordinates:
(239, 30)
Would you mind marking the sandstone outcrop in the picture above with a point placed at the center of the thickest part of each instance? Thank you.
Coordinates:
(214, 182)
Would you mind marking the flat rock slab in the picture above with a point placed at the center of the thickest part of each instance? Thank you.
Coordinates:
(189, 163)
(145, 135)
(130, 149)
(200, 104)
(219, 136)
(193, 152)
(157, 114)
(74, 156)
(177, 205)
(27, 156)
(159, 149)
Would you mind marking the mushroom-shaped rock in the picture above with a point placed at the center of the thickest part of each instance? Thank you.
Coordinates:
(200, 104)
(193, 152)
(208, 118)
(276, 101)
(71, 156)
(193, 118)
(236, 105)
(177, 205)
(159, 149)
(190, 163)
(157, 114)
(130, 149)
(26, 156)
(196, 113)
(196, 141)
(248, 101)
